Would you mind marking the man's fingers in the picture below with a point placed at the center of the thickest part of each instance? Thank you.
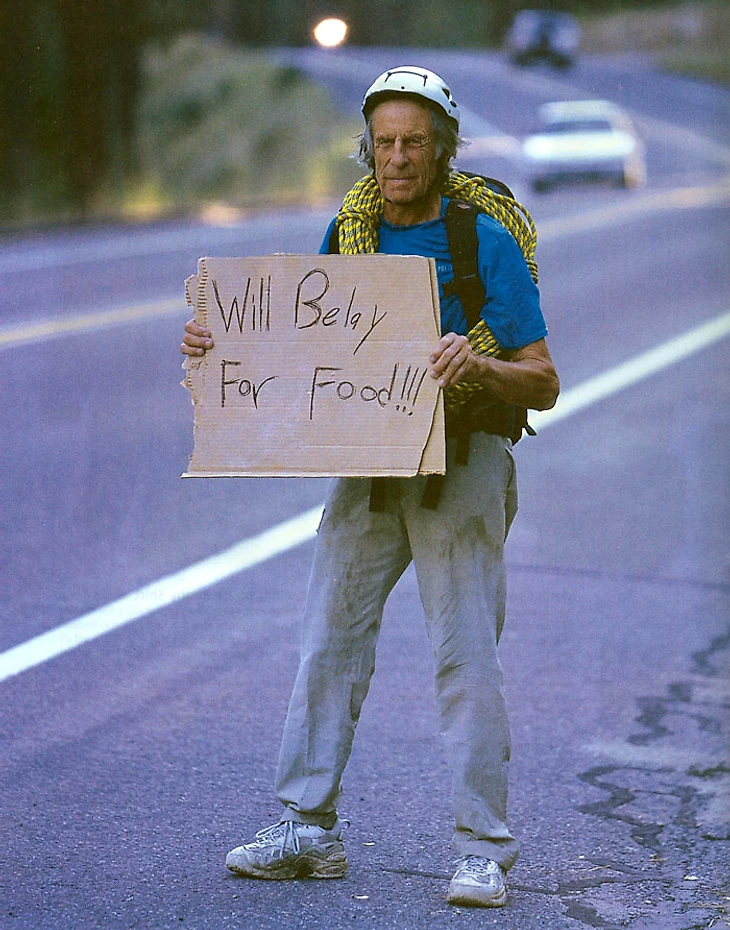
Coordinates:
(447, 347)
(449, 359)
(197, 339)
(455, 372)
(195, 329)
(188, 349)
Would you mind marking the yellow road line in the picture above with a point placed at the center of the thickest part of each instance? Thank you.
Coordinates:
(84, 322)
(639, 205)
(682, 137)
(636, 207)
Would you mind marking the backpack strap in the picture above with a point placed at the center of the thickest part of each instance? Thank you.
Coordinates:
(333, 243)
(461, 223)
(499, 187)
(461, 231)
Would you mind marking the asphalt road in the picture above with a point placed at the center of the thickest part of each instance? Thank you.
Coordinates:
(133, 762)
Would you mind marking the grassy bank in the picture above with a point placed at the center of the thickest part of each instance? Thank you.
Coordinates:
(218, 123)
(687, 38)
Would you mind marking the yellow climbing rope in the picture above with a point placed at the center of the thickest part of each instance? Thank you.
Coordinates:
(359, 218)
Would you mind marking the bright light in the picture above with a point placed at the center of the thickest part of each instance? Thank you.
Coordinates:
(330, 32)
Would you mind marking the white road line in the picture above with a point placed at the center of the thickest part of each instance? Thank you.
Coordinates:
(162, 593)
(59, 255)
(633, 370)
(217, 233)
(294, 532)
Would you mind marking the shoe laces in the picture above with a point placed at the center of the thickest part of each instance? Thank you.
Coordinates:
(284, 835)
(478, 866)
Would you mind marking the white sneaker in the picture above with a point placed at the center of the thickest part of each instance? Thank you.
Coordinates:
(292, 850)
(478, 882)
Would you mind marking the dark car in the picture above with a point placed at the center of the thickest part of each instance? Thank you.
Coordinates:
(543, 36)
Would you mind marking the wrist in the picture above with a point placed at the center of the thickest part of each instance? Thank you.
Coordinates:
(484, 370)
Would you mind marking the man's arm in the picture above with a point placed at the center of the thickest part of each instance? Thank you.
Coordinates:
(526, 376)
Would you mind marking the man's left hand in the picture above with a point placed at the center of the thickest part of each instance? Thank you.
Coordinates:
(524, 376)
(453, 360)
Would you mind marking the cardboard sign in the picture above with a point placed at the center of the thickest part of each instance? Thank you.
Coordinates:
(320, 366)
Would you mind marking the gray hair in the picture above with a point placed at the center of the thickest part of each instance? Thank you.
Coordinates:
(445, 135)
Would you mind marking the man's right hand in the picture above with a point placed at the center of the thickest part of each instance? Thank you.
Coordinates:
(197, 340)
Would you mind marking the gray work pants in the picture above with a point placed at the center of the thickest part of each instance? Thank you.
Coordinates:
(457, 551)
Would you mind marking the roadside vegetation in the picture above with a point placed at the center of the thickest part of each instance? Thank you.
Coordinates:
(218, 124)
(686, 38)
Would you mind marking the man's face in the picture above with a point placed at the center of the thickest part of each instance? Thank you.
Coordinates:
(404, 150)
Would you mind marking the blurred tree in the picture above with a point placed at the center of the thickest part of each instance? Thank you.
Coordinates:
(101, 44)
(68, 95)
(165, 19)
(16, 103)
(278, 22)
(86, 70)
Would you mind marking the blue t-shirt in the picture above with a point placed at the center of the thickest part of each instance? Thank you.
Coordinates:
(512, 303)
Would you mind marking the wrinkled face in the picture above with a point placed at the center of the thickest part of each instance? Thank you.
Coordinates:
(404, 151)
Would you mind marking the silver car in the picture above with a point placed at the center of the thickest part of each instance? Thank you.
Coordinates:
(583, 140)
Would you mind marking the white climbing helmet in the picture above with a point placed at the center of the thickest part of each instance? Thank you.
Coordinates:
(409, 79)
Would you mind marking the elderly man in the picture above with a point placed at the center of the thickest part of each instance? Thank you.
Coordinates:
(455, 536)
